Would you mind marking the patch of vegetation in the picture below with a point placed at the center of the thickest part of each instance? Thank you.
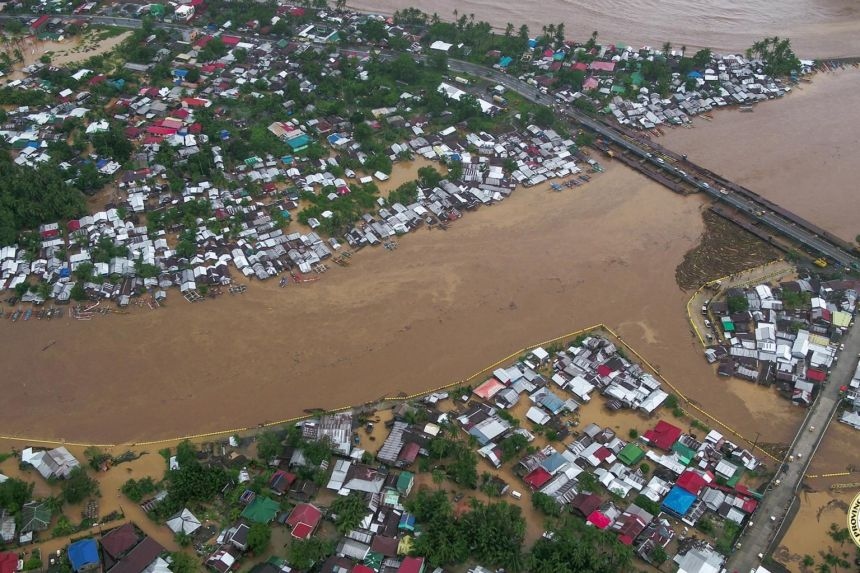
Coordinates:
(78, 486)
(349, 511)
(137, 490)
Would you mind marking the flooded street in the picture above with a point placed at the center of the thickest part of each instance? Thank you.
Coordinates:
(441, 306)
(817, 28)
(799, 151)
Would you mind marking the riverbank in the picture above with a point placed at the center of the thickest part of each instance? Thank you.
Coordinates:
(533, 267)
(816, 30)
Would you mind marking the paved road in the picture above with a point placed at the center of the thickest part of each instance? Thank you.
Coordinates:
(759, 538)
(745, 202)
(797, 230)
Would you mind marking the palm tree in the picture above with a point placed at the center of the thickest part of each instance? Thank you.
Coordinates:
(667, 48)
(683, 51)
(524, 32)
(509, 30)
(559, 33)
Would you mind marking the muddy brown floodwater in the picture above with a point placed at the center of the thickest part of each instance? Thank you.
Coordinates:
(800, 151)
(441, 306)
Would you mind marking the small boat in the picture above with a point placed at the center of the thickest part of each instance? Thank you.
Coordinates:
(746, 108)
(15, 316)
(28, 314)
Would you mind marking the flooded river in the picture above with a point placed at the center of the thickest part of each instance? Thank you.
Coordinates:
(799, 152)
(817, 28)
(441, 306)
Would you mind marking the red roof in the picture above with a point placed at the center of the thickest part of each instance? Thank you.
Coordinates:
(195, 128)
(691, 482)
(8, 562)
(131, 132)
(180, 113)
(625, 539)
(579, 66)
(409, 452)
(50, 234)
(602, 66)
(203, 40)
(411, 565)
(602, 453)
(816, 375)
(585, 503)
(119, 540)
(40, 21)
(537, 477)
(297, 11)
(749, 505)
(302, 531)
(663, 435)
(303, 520)
(73, 225)
(194, 102)
(156, 130)
(230, 40)
(598, 520)
(604, 370)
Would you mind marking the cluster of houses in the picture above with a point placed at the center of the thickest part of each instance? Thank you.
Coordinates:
(245, 231)
(725, 80)
(693, 476)
(788, 335)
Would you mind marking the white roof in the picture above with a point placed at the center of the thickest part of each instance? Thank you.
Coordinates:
(184, 522)
(441, 46)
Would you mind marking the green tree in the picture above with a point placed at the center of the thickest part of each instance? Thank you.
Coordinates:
(738, 303)
(78, 486)
(14, 493)
(63, 527)
(587, 481)
(577, 547)
(259, 536)
(349, 511)
(303, 554)
(316, 452)
(181, 562)
(545, 504)
(268, 445)
(135, 490)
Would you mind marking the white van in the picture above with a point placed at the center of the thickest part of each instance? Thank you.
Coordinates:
(516, 495)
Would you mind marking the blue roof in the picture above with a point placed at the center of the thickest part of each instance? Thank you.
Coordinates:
(407, 521)
(532, 43)
(552, 402)
(552, 463)
(82, 553)
(333, 137)
(299, 142)
(180, 73)
(678, 501)
(694, 74)
(505, 61)
(224, 134)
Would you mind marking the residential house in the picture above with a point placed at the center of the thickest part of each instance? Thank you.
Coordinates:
(303, 520)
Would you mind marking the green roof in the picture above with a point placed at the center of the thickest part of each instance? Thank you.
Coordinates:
(631, 454)
(735, 478)
(261, 510)
(728, 325)
(35, 516)
(404, 481)
(685, 454)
